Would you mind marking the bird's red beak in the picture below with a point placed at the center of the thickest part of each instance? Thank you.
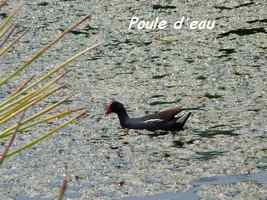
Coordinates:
(108, 109)
(107, 112)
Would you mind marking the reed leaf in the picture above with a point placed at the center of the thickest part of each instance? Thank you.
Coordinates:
(3, 156)
(32, 123)
(12, 102)
(3, 50)
(23, 85)
(28, 61)
(33, 91)
(45, 135)
(6, 24)
(63, 188)
(50, 73)
(9, 34)
(36, 100)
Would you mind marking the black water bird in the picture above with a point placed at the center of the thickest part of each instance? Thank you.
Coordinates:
(169, 119)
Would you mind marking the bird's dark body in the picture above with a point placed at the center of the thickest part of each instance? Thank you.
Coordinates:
(136, 123)
(165, 120)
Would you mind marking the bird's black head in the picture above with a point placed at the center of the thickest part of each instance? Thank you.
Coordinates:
(114, 107)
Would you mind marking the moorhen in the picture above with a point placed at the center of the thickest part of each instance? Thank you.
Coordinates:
(166, 120)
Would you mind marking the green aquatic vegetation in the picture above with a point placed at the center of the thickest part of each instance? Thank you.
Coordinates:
(211, 132)
(213, 96)
(207, 155)
(159, 102)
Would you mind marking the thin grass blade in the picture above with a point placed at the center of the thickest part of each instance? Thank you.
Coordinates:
(28, 105)
(45, 136)
(11, 44)
(50, 73)
(41, 52)
(6, 150)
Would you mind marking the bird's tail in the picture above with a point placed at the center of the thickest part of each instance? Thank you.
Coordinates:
(182, 120)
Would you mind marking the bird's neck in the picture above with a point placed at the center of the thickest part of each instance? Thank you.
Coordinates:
(123, 116)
